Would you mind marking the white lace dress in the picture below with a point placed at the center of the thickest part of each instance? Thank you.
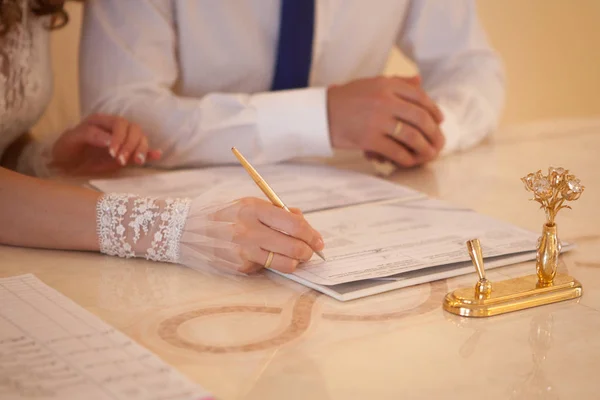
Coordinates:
(25, 76)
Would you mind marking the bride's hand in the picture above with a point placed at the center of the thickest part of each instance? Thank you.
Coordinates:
(238, 237)
(101, 144)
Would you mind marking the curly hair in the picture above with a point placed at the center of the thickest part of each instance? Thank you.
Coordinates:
(11, 13)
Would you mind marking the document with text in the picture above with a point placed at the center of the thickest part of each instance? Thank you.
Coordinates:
(388, 238)
(51, 348)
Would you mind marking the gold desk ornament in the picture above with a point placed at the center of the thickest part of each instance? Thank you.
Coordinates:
(546, 286)
(551, 191)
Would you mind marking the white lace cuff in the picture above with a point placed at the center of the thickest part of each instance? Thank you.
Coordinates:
(133, 226)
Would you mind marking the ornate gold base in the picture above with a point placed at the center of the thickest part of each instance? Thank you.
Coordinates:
(511, 295)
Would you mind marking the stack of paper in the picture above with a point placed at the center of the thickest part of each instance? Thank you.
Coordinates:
(379, 236)
(378, 247)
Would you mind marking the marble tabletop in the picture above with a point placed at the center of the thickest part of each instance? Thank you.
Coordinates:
(265, 337)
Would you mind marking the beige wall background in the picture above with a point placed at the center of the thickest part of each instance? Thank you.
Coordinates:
(551, 50)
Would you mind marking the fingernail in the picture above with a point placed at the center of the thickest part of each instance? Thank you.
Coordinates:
(122, 159)
(320, 243)
(112, 152)
(141, 158)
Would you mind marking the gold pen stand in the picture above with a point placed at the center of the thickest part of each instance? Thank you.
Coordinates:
(487, 298)
(551, 191)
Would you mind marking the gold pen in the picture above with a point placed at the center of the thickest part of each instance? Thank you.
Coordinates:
(264, 186)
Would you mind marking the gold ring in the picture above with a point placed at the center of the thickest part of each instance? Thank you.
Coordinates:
(269, 259)
(397, 130)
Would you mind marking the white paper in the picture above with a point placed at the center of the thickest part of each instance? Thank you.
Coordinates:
(383, 239)
(308, 187)
(51, 348)
(368, 287)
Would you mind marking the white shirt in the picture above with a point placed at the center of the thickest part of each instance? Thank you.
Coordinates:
(196, 74)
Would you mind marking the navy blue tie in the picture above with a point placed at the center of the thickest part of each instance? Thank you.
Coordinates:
(294, 50)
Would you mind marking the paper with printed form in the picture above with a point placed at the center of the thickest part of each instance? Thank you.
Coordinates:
(308, 187)
(389, 238)
(51, 348)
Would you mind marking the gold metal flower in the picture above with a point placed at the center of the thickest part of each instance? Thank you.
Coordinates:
(553, 189)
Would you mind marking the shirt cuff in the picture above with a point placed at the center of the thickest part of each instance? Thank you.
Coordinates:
(293, 123)
(451, 131)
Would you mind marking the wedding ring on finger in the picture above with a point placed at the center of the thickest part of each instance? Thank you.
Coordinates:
(269, 260)
(397, 130)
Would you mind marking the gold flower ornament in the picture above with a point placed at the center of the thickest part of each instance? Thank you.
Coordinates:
(553, 189)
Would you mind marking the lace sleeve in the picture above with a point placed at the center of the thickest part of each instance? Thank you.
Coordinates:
(132, 226)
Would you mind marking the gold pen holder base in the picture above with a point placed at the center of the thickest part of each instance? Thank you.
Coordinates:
(512, 295)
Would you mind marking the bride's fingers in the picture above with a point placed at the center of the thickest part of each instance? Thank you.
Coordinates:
(119, 134)
(132, 142)
(141, 152)
(256, 258)
(296, 211)
(91, 135)
(254, 233)
(293, 224)
(271, 240)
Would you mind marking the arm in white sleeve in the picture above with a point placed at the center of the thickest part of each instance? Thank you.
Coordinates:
(460, 71)
(129, 67)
